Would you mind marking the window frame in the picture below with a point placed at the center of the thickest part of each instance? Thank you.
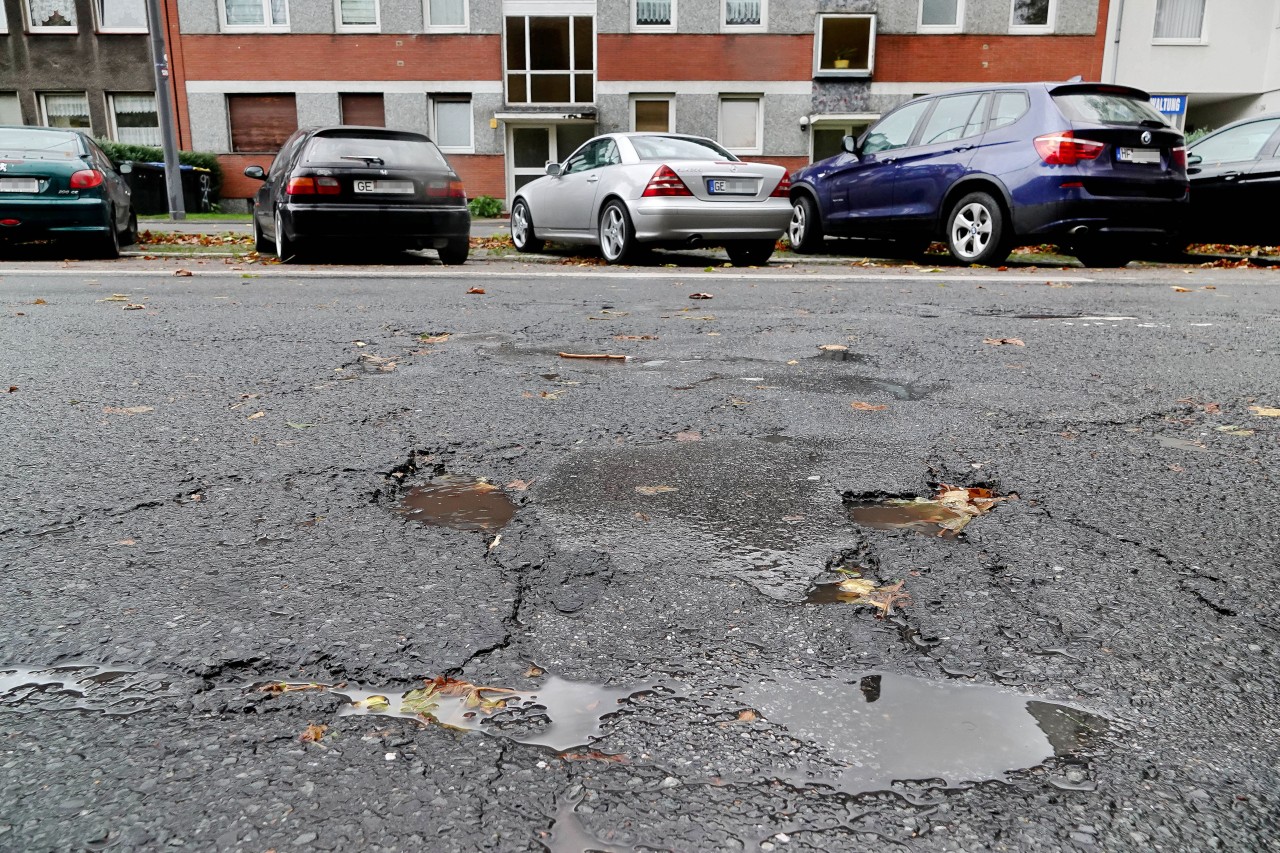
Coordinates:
(758, 100)
(464, 27)
(726, 27)
(254, 28)
(4, 19)
(33, 27)
(637, 27)
(339, 26)
(113, 127)
(436, 101)
(1204, 29)
(671, 111)
(819, 37)
(572, 71)
(100, 16)
(1033, 29)
(44, 110)
(957, 27)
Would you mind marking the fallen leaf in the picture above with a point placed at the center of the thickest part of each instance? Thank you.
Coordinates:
(131, 410)
(860, 406)
(593, 755)
(534, 671)
(479, 290)
(747, 715)
(688, 435)
(1209, 287)
(372, 703)
(635, 337)
(134, 306)
(360, 343)
(1212, 408)
(793, 362)
(182, 272)
(599, 355)
(640, 516)
(701, 295)
(1232, 429)
(833, 347)
(275, 688)
(1265, 411)
(313, 733)
(654, 490)
(883, 598)
(434, 339)
(115, 297)
(255, 416)
(13, 388)
(39, 302)
(999, 342)
(1177, 289)
(519, 485)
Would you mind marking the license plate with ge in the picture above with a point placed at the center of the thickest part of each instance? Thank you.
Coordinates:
(384, 187)
(731, 186)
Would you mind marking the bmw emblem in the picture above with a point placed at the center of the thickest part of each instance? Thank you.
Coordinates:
(1146, 137)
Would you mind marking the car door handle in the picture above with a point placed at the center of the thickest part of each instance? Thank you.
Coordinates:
(593, 179)
(888, 160)
(1230, 176)
(961, 148)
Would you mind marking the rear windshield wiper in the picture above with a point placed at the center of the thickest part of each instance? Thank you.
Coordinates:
(369, 159)
(1151, 122)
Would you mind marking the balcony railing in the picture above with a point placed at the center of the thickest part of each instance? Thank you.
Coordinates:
(653, 13)
(739, 13)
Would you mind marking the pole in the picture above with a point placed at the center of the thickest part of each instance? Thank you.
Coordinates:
(164, 110)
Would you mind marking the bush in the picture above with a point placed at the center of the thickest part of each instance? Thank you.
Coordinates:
(120, 152)
(1198, 133)
(485, 207)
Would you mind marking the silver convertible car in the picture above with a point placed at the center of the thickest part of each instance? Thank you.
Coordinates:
(628, 192)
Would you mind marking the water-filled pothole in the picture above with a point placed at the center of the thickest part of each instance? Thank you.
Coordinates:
(457, 503)
(945, 514)
(884, 728)
(80, 687)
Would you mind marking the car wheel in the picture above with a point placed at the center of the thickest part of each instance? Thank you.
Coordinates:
(106, 245)
(286, 249)
(1102, 255)
(522, 235)
(805, 230)
(750, 253)
(260, 242)
(131, 230)
(455, 252)
(617, 235)
(976, 231)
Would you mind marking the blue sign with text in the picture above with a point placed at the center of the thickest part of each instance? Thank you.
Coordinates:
(1170, 105)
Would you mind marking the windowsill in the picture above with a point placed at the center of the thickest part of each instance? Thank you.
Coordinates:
(1200, 42)
(122, 31)
(729, 29)
(445, 29)
(254, 28)
(845, 73)
(359, 28)
(448, 150)
(1030, 31)
(948, 30)
(653, 28)
(54, 31)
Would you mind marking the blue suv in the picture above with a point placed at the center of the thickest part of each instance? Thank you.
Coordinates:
(1092, 167)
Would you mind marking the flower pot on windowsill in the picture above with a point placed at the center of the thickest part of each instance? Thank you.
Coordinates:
(841, 64)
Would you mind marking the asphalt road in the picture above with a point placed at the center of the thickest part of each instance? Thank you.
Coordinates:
(253, 476)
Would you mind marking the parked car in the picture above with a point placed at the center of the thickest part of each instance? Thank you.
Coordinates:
(58, 184)
(1090, 166)
(1235, 183)
(628, 192)
(359, 187)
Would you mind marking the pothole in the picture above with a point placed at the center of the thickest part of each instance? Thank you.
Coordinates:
(945, 514)
(458, 503)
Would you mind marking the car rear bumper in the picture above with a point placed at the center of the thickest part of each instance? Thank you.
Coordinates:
(680, 220)
(1080, 214)
(430, 226)
(52, 217)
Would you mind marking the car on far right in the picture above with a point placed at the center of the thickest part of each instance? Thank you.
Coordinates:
(1235, 184)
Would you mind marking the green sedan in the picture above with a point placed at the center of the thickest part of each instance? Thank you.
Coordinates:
(58, 184)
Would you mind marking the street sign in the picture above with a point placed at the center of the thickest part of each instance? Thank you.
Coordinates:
(1173, 107)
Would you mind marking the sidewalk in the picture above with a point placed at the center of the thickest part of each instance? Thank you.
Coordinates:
(479, 227)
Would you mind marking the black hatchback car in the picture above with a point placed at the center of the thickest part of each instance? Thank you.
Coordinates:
(358, 187)
(1090, 166)
(1235, 183)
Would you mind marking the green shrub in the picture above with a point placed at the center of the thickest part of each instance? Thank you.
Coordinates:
(121, 151)
(485, 207)
(1198, 133)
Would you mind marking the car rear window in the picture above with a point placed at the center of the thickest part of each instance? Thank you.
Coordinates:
(1107, 108)
(678, 148)
(34, 143)
(388, 152)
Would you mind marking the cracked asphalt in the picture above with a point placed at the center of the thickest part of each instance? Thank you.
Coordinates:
(202, 500)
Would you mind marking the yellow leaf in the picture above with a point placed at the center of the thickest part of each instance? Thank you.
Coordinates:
(860, 406)
(654, 490)
(833, 347)
(255, 416)
(1265, 411)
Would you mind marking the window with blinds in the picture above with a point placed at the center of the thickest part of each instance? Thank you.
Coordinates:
(744, 13)
(51, 16)
(450, 15)
(1179, 20)
(358, 14)
(255, 13)
(363, 109)
(10, 109)
(65, 109)
(453, 124)
(122, 16)
(656, 14)
(134, 118)
(651, 115)
(261, 123)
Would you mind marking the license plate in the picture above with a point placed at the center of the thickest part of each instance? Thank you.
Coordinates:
(731, 187)
(1139, 155)
(401, 187)
(19, 185)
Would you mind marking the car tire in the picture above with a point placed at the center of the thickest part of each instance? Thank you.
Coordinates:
(522, 233)
(1102, 256)
(617, 234)
(286, 249)
(750, 253)
(107, 245)
(261, 244)
(130, 236)
(454, 252)
(805, 230)
(976, 231)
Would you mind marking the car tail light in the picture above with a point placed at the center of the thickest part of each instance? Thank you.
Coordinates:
(86, 179)
(328, 186)
(1063, 149)
(665, 182)
(1178, 157)
(783, 189)
(301, 186)
(446, 189)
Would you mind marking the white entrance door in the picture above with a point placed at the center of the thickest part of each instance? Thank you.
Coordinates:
(531, 146)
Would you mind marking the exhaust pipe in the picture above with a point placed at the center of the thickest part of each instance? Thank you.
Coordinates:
(1080, 231)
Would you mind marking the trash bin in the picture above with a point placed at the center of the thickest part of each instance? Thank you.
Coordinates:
(151, 195)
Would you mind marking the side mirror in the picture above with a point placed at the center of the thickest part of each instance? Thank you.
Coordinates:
(255, 172)
(554, 170)
(849, 144)
(125, 168)
(1194, 160)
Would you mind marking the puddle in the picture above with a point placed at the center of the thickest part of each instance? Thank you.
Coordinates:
(827, 382)
(568, 835)
(559, 715)
(887, 728)
(945, 515)
(840, 355)
(460, 504)
(80, 687)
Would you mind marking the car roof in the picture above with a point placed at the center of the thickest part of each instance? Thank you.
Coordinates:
(1237, 123)
(1060, 87)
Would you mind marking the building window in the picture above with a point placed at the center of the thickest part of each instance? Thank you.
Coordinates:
(845, 45)
(740, 125)
(1179, 21)
(10, 109)
(260, 124)
(941, 16)
(358, 15)
(652, 115)
(1032, 16)
(448, 16)
(653, 15)
(363, 109)
(744, 14)
(550, 60)
(134, 118)
(51, 16)
(453, 125)
(258, 14)
(122, 16)
(67, 109)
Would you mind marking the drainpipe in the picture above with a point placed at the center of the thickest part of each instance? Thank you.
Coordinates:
(1115, 52)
